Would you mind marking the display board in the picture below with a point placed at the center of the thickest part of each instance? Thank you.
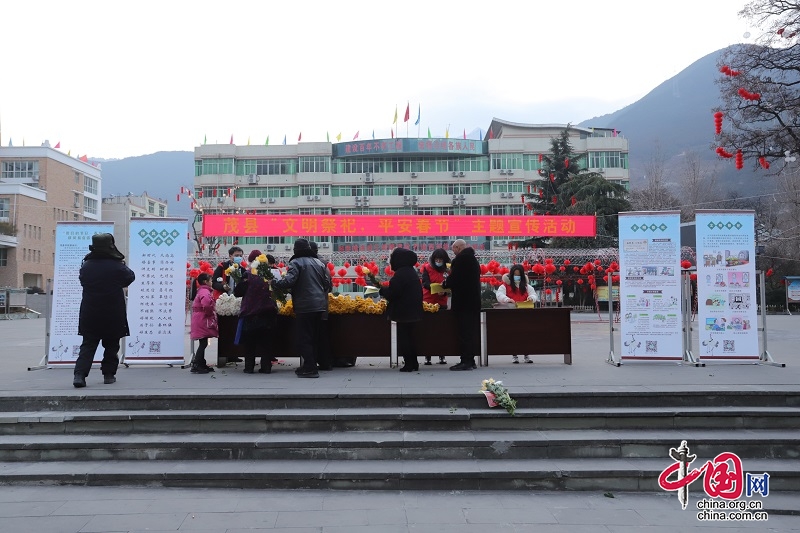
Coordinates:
(726, 284)
(650, 285)
(72, 245)
(156, 300)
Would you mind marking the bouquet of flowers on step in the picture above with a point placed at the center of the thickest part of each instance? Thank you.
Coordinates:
(260, 267)
(496, 394)
(228, 305)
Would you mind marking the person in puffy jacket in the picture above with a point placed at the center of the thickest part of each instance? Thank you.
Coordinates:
(435, 271)
(515, 289)
(404, 294)
(204, 323)
(465, 282)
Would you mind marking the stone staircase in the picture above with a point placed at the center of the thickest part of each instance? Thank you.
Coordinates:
(387, 440)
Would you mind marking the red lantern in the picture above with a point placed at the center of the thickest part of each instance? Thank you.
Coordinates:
(566, 162)
(739, 160)
(555, 199)
(552, 177)
(573, 200)
(540, 158)
(597, 262)
(769, 272)
(693, 277)
(347, 264)
(558, 282)
(562, 268)
(580, 281)
(718, 122)
(342, 272)
(686, 264)
(331, 267)
(388, 271)
(763, 162)
(567, 261)
(548, 291)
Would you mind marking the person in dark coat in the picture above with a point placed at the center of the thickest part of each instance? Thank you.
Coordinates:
(465, 283)
(404, 294)
(310, 282)
(258, 316)
(103, 317)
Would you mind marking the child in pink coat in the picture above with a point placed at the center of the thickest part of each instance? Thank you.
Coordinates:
(204, 323)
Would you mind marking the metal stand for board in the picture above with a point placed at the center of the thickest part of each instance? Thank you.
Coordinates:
(686, 313)
(765, 358)
(48, 295)
(612, 359)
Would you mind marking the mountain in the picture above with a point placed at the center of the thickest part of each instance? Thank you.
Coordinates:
(161, 175)
(677, 116)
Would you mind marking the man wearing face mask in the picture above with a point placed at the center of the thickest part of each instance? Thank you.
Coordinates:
(222, 283)
(435, 271)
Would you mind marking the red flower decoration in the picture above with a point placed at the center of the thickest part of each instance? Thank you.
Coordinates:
(769, 272)
(548, 291)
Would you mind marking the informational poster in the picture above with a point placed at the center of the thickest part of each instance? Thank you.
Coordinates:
(726, 284)
(792, 289)
(156, 299)
(650, 285)
(72, 245)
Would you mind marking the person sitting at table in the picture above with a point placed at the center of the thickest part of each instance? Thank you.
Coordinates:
(515, 288)
(435, 271)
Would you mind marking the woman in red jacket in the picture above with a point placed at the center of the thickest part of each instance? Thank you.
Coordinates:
(435, 271)
(515, 289)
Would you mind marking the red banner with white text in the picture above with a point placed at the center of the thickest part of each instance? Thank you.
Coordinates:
(398, 225)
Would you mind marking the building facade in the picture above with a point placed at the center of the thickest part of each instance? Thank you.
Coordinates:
(121, 209)
(40, 186)
(402, 176)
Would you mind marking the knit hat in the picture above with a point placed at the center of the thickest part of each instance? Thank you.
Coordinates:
(301, 245)
(253, 255)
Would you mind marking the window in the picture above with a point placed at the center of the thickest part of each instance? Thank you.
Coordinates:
(77, 177)
(90, 185)
(266, 167)
(315, 164)
(3, 257)
(215, 166)
(507, 161)
(90, 205)
(608, 160)
(151, 207)
(161, 210)
(76, 200)
(317, 190)
(20, 170)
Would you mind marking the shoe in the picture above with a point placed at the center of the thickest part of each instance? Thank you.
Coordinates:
(442, 360)
(428, 361)
(210, 368)
(464, 366)
(515, 359)
(306, 373)
(78, 381)
(410, 367)
(108, 380)
(200, 370)
(528, 360)
(265, 369)
(249, 371)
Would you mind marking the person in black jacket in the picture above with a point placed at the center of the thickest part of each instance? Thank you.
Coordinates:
(404, 295)
(103, 317)
(220, 281)
(465, 283)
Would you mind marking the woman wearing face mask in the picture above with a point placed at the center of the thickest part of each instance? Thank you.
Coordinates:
(435, 271)
(515, 288)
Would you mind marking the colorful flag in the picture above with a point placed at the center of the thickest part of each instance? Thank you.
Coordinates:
(373, 134)
(491, 133)
(58, 144)
(328, 136)
(248, 140)
(84, 158)
(266, 143)
(205, 138)
(418, 115)
(284, 138)
(356, 135)
(465, 133)
(300, 137)
(177, 197)
(69, 153)
(392, 133)
(395, 115)
(10, 143)
(447, 132)
(339, 137)
(231, 138)
(408, 110)
(429, 132)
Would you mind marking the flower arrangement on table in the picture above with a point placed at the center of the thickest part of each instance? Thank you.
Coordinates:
(496, 394)
(228, 305)
(260, 267)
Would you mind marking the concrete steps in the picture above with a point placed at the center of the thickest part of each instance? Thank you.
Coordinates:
(453, 441)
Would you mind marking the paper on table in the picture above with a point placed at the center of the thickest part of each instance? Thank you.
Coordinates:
(527, 304)
(436, 288)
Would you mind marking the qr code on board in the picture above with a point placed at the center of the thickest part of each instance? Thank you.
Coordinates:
(651, 346)
(729, 346)
(155, 346)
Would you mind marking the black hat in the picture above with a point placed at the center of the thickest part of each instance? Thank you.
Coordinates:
(301, 245)
(103, 244)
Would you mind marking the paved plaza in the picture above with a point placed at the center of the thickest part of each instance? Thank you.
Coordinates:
(110, 509)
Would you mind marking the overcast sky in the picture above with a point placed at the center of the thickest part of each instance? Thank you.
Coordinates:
(115, 79)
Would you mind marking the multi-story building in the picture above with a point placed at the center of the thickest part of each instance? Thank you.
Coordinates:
(403, 176)
(40, 186)
(121, 209)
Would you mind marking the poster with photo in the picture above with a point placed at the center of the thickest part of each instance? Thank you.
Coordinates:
(72, 245)
(650, 286)
(726, 288)
(156, 299)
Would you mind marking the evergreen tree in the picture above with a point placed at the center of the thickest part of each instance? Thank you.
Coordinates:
(566, 187)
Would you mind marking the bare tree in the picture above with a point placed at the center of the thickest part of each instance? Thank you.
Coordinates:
(655, 195)
(698, 186)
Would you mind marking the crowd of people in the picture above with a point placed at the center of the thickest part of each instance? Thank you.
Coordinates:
(454, 283)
